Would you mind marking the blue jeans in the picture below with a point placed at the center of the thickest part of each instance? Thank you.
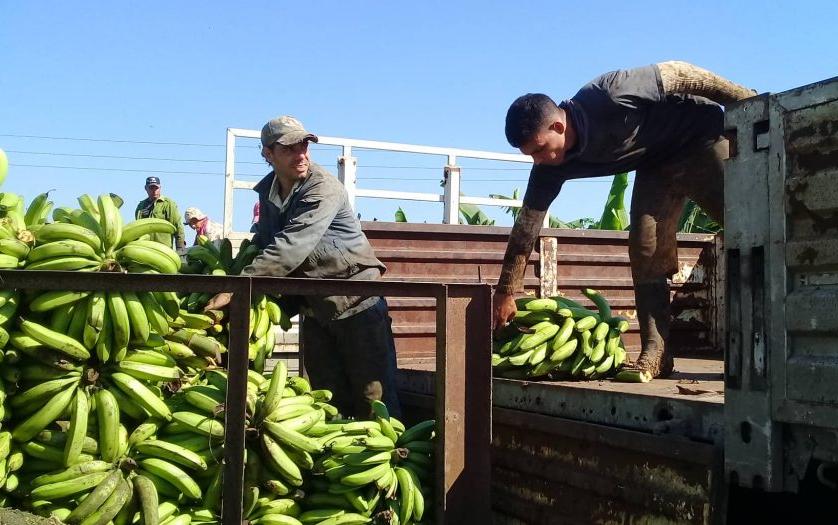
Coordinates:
(355, 358)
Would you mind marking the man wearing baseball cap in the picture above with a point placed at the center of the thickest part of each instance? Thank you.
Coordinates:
(198, 221)
(307, 228)
(161, 207)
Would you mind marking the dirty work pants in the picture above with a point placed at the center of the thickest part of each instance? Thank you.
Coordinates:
(355, 358)
(658, 199)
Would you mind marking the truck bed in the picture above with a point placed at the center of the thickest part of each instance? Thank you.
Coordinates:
(601, 451)
(690, 403)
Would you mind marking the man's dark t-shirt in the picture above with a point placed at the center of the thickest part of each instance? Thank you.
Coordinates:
(623, 122)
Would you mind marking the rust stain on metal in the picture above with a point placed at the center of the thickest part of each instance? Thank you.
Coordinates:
(795, 205)
(807, 256)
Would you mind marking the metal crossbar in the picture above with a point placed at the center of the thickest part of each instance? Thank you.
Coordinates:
(347, 168)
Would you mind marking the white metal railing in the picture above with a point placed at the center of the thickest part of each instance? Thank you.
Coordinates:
(347, 170)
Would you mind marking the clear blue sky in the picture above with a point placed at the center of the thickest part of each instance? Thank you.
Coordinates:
(435, 73)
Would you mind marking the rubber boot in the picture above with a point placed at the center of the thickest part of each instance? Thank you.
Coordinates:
(653, 314)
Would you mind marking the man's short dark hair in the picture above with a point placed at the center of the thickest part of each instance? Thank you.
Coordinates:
(526, 116)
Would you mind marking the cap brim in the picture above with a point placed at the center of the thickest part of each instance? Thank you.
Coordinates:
(295, 137)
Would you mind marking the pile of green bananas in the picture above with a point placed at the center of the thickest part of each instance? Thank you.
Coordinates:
(265, 313)
(559, 338)
(17, 226)
(338, 470)
(118, 443)
(112, 403)
(374, 468)
(93, 238)
(208, 258)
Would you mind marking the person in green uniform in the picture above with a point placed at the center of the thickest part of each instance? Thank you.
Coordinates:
(160, 207)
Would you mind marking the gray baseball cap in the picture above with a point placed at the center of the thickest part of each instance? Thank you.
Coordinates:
(286, 130)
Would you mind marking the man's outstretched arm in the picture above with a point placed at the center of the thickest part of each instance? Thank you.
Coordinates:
(518, 249)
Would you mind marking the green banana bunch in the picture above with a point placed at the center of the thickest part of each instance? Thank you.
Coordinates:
(92, 238)
(367, 466)
(559, 338)
(15, 237)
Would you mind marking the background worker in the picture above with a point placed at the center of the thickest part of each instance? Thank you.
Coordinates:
(307, 228)
(664, 121)
(160, 207)
(198, 221)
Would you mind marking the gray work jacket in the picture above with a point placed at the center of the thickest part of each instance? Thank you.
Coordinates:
(317, 236)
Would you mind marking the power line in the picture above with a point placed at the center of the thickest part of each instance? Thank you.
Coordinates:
(116, 169)
(120, 157)
(210, 161)
(87, 139)
(257, 175)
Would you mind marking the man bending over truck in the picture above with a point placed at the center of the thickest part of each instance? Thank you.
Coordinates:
(664, 121)
(307, 228)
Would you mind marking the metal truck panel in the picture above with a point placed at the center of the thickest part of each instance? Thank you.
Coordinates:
(781, 219)
(564, 261)
(597, 453)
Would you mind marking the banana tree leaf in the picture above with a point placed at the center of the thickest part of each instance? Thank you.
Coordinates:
(471, 214)
(614, 216)
(695, 220)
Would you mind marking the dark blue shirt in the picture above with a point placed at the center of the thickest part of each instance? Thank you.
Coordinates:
(624, 121)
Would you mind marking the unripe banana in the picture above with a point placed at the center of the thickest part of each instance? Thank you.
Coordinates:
(152, 254)
(369, 475)
(150, 357)
(120, 322)
(200, 423)
(8, 262)
(96, 498)
(59, 231)
(14, 248)
(421, 431)
(174, 475)
(148, 372)
(148, 500)
(140, 227)
(77, 432)
(111, 507)
(209, 400)
(54, 340)
(279, 461)
(127, 405)
(74, 472)
(107, 412)
(41, 392)
(110, 221)
(154, 312)
(418, 497)
(171, 452)
(63, 489)
(64, 248)
(26, 430)
(292, 438)
(140, 394)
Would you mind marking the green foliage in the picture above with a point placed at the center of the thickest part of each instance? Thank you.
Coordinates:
(471, 214)
(614, 216)
(695, 220)
(514, 211)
